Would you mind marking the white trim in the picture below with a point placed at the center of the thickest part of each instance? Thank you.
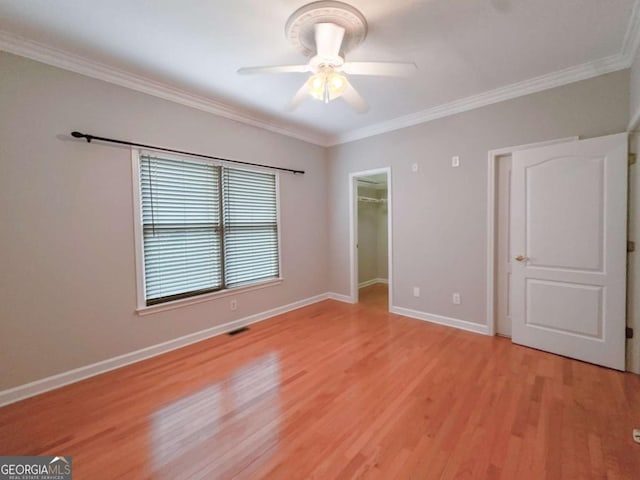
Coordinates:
(353, 231)
(340, 298)
(491, 225)
(72, 376)
(373, 281)
(368, 283)
(630, 47)
(441, 320)
(206, 297)
(533, 85)
(279, 226)
(390, 238)
(24, 47)
(631, 40)
(18, 45)
(137, 231)
(142, 307)
(633, 267)
(353, 238)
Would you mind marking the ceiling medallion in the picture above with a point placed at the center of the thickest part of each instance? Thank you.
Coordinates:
(299, 28)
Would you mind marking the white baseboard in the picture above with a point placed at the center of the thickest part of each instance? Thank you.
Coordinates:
(340, 298)
(367, 283)
(441, 320)
(56, 381)
(372, 282)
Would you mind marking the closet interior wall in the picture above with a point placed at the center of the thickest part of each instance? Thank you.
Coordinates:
(372, 235)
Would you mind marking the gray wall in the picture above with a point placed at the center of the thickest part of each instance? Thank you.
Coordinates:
(367, 238)
(382, 246)
(68, 286)
(372, 236)
(68, 283)
(440, 212)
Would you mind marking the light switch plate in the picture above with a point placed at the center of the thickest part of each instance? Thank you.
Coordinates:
(414, 167)
(636, 435)
(455, 161)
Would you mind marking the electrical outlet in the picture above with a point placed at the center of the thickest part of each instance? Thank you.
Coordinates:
(455, 161)
(456, 299)
(416, 291)
(233, 304)
(636, 435)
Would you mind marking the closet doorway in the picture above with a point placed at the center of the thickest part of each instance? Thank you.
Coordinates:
(371, 237)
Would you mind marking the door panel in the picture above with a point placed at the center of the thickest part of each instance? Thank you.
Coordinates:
(570, 210)
(568, 230)
(547, 303)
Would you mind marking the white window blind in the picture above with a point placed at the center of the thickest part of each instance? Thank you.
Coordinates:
(205, 227)
(250, 226)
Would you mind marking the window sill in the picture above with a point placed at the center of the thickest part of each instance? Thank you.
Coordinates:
(161, 307)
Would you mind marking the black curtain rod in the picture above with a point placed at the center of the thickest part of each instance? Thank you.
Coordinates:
(89, 137)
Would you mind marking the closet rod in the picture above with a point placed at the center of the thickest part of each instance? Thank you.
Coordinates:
(90, 137)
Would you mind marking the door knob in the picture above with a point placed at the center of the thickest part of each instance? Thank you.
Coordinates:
(521, 258)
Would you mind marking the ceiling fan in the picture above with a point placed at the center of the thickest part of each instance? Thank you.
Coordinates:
(326, 31)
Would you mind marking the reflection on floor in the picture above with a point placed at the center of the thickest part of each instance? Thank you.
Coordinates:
(375, 296)
(340, 391)
(217, 419)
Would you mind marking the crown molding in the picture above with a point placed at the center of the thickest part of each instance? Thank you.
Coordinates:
(632, 36)
(630, 48)
(612, 63)
(58, 58)
(508, 92)
(24, 47)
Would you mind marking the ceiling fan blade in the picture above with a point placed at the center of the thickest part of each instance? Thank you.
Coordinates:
(392, 69)
(328, 40)
(275, 69)
(354, 99)
(299, 97)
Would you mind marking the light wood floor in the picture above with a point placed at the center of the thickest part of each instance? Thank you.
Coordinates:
(340, 391)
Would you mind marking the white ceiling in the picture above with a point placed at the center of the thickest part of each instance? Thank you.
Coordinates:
(461, 47)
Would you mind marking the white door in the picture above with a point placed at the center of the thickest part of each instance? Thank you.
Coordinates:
(568, 240)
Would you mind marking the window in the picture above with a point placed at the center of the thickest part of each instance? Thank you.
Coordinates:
(205, 227)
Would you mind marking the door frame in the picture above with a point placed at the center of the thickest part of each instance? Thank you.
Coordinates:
(492, 222)
(353, 229)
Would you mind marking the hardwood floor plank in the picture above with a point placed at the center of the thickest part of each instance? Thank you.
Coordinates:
(338, 391)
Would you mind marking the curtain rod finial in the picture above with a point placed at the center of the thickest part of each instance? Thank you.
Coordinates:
(76, 134)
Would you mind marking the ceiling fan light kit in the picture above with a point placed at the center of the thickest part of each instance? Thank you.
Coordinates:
(326, 31)
(327, 85)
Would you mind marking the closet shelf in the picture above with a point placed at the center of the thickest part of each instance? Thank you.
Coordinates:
(371, 199)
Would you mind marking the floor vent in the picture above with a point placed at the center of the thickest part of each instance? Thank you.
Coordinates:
(238, 330)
